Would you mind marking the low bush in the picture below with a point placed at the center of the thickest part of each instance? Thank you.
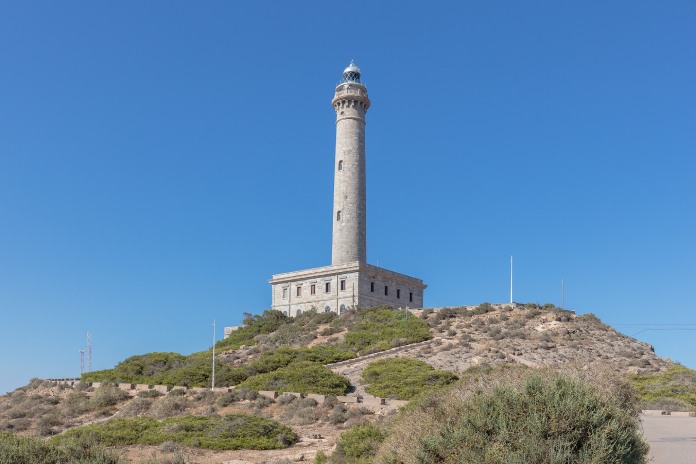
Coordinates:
(403, 378)
(107, 396)
(23, 450)
(376, 328)
(254, 324)
(150, 394)
(171, 369)
(236, 431)
(675, 388)
(270, 361)
(136, 407)
(358, 445)
(519, 415)
(169, 406)
(302, 376)
(237, 395)
(339, 414)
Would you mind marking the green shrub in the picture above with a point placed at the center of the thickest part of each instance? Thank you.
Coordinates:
(254, 325)
(358, 445)
(171, 369)
(270, 361)
(150, 393)
(22, 450)
(376, 328)
(403, 378)
(107, 396)
(529, 416)
(301, 376)
(673, 389)
(236, 431)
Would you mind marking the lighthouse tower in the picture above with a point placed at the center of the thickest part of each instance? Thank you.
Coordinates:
(349, 225)
(349, 281)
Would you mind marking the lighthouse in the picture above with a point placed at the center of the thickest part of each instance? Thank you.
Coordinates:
(351, 103)
(350, 281)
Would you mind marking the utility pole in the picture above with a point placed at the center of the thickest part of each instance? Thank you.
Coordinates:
(213, 381)
(510, 279)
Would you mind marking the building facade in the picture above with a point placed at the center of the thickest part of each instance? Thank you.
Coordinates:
(349, 281)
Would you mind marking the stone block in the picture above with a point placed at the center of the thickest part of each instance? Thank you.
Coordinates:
(221, 389)
(161, 388)
(654, 412)
(269, 394)
(295, 394)
(682, 414)
(318, 398)
(373, 401)
(347, 399)
(126, 386)
(96, 384)
(141, 387)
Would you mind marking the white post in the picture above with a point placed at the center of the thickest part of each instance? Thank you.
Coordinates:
(213, 381)
(510, 279)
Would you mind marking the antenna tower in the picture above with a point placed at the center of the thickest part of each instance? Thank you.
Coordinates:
(89, 351)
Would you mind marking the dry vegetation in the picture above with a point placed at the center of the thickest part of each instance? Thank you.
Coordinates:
(468, 341)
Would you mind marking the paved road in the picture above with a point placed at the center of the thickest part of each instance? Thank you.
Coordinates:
(672, 439)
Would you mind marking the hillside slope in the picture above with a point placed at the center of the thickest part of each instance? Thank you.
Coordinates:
(271, 346)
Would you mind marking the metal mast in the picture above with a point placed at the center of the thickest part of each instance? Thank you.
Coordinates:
(510, 279)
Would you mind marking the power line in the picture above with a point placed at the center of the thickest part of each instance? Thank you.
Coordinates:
(636, 324)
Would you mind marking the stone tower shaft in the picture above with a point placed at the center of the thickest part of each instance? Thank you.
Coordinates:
(349, 213)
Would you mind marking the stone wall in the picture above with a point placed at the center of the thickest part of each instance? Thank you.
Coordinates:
(349, 285)
(373, 403)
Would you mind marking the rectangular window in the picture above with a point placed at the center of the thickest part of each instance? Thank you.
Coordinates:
(398, 293)
(327, 287)
(299, 290)
(343, 285)
(312, 289)
(386, 290)
(410, 297)
(285, 293)
(372, 287)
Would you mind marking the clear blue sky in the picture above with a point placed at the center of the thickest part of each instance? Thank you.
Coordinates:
(160, 160)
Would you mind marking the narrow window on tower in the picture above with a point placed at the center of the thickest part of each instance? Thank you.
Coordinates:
(327, 287)
(340, 165)
(312, 289)
(386, 290)
(299, 290)
(338, 216)
(398, 293)
(372, 287)
(410, 297)
(343, 284)
(285, 293)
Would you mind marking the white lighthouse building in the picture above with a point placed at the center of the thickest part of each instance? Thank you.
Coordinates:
(349, 281)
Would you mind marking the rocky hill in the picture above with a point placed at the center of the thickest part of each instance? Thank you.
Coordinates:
(272, 352)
